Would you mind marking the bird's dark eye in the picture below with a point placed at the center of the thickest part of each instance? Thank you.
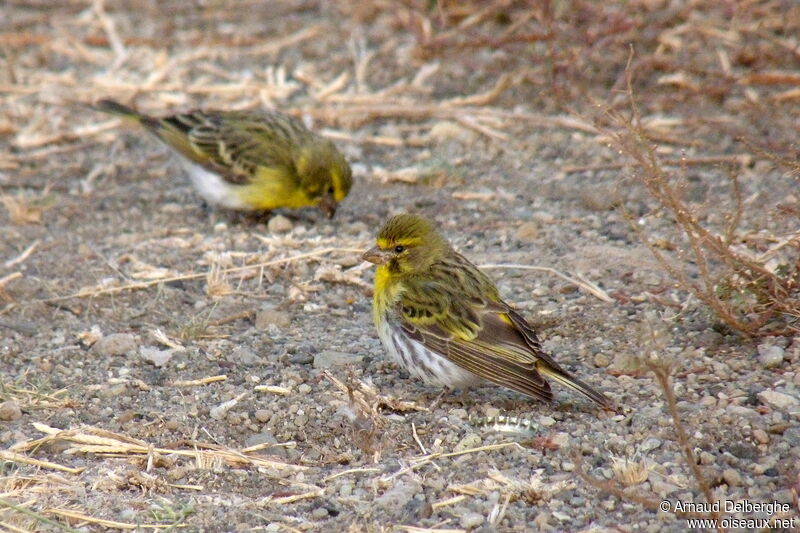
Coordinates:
(330, 189)
(399, 249)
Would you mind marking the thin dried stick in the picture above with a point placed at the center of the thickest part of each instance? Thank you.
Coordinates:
(416, 110)
(111, 31)
(425, 459)
(199, 382)
(665, 382)
(83, 517)
(36, 516)
(14, 457)
(583, 283)
(23, 256)
(350, 471)
(612, 488)
(294, 497)
(100, 441)
(5, 280)
(145, 284)
(739, 159)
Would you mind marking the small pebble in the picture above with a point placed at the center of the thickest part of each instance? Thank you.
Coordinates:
(155, 356)
(599, 197)
(461, 414)
(126, 416)
(778, 400)
(115, 344)
(743, 450)
(279, 224)
(740, 411)
(304, 358)
(265, 437)
(650, 444)
(492, 412)
(471, 440)
(660, 487)
(791, 437)
(732, 477)
(546, 420)
(114, 391)
(398, 495)
(128, 514)
(447, 130)
(319, 513)
(10, 411)
(527, 232)
(608, 504)
(331, 358)
(560, 439)
(262, 415)
(708, 401)
(761, 436)
(243, 355)
(471, 520)
(707, 458)
(770, 355)
(268, 316)
(601, 360)
(304, 388)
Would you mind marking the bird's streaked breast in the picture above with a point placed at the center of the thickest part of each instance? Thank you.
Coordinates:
(418, 360)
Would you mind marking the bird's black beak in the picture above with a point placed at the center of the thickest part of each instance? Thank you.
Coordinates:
(376, 255)
(328, 206)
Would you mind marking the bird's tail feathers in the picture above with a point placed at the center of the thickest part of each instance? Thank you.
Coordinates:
(577, 385)
(115, 108)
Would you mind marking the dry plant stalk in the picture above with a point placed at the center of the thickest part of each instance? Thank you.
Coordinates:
(22, 211)
(630, 471)
(654, 337)
(217, 284)
(5, 280)
(367, 426)
(460, 26)
(747, 292)
(89, 439)
(634, 496)
(38, 518)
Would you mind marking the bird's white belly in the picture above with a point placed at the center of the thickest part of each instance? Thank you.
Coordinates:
(213, 188)
(421, 362)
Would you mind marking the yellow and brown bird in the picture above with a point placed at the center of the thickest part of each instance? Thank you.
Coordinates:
(250, 161)
(442, 319)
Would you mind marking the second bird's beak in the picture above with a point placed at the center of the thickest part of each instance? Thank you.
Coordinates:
(328, 206)
(376, 255)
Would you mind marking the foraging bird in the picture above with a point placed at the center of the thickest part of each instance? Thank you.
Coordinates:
(250, 161)
(442, 319)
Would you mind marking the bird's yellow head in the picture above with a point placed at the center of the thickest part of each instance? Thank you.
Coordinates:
(325, 176)
(407, 244)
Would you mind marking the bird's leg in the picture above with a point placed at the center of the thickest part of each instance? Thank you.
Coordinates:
(300, 216)
(249, 218)
(260, 216)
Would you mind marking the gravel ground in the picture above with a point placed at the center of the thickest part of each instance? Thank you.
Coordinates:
(285, 333)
